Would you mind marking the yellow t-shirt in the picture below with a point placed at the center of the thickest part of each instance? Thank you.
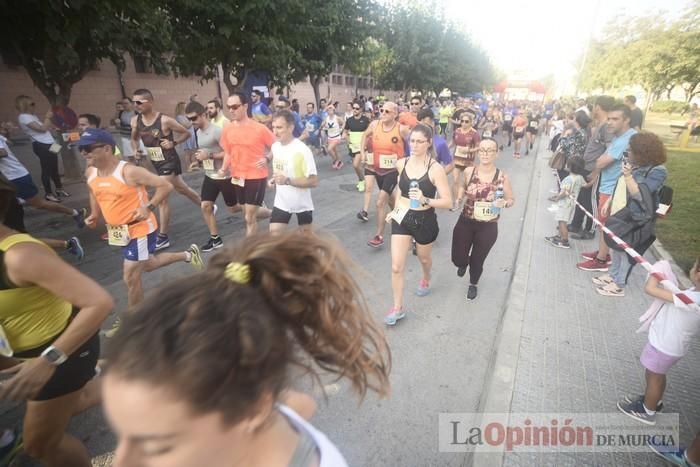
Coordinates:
(30, 316)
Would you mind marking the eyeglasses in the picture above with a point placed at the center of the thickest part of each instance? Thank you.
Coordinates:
(193, 119)
(466, 121)
(488, 151)
(355, 108)
(418, 141)
(234, 106)
(415, 103)
(88, 148)
(139, 102)
(386, 111)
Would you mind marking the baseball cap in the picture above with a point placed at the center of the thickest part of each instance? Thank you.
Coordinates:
(95, 136)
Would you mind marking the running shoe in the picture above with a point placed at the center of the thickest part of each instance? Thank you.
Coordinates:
(338, 164)
(393, 316)
(75, 248)
(113, 330)
(79, 217)
(51, 197)
(636, 410)
(461, 271)
(610, 290)
(376, 242)
(500, 148)
(363, 216)
(593, 265)
(423, 288)
(558, 242)
(531, 144)
(629, 398)
(195, 257)
(471, 293)
(510, 143)
(585, 235)
(361, 186)
(162, 242)
(527, 152)
(62, 193)
(594, 255)
(212, 244)
(676, 456)
(8, 453)
(516, 155)
(603, 280)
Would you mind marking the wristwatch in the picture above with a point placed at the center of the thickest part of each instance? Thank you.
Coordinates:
(151, 207)
(54, 356)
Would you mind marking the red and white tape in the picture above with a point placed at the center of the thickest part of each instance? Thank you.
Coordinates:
(663, 280)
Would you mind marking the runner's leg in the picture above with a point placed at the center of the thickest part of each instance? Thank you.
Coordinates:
(251, 219)
(357, 165)
(185, 190)
(209, 219)
(424, 253)
(382, 200)
(399, 251)
(369, 186)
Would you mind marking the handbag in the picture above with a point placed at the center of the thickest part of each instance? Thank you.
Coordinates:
(558, 161)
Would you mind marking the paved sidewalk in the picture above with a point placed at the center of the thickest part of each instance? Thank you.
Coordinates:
(578, 351)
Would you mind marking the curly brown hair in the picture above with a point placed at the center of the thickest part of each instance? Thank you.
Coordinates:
(647, 149)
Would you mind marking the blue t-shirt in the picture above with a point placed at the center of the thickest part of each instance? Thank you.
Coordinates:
(610, 174)
(259, 110)
(312, 123)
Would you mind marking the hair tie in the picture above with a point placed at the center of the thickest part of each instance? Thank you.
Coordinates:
(237, 272)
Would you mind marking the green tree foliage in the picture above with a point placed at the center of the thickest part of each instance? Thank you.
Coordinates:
(58, 42)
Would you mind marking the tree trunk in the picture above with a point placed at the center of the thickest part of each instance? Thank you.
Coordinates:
(690, 92)
(315, 82)
(649, 100)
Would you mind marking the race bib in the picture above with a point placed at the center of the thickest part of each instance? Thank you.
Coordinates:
(72, 137)
(279, 166)
(208, 165)
(5, 348)
(238, 181)
(155, 154)
(369, 158)
(534, 124)
(118, 235)
(397, 214)
(520, 129)
(483, 212)
(387, 161)
(487, 133)
(508, 118)
(55, 148)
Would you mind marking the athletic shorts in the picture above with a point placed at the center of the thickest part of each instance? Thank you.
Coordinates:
(169, 166)
(71, 375)
(283, 217)
(602, 199)
(532, 130)
(421, 225)
(518, 135)
(140, 249)
(211, 187)
(507, 127)
(462, 163)
(14, 217)
(388, 181)
(252, 192)
(25, 187)
(656, 361)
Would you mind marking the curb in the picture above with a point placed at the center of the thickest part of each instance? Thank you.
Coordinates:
(660, 253)
(497, 391)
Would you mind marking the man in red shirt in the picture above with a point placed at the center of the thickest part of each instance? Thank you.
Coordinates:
(247, 146)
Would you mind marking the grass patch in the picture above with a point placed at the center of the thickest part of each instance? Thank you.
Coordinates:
(680, 231)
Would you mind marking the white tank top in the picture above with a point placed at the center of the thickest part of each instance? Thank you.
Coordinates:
(333, 126)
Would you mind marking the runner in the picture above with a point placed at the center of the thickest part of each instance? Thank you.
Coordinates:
(489, 125)
(410, 118)
(442, 149)
(246, 144)
(533, 123)
(283, 104)
(53, 349)
(355, 126)
(216, 114)
(258, 110)
(294, 173)
(519, 125)
(466, 141)
(86, 121)
(27, 191)
(487, 190)
(203, 398)
(157, 133)
(118, 193)
(122, 122)
(312, 127)
(333, 127)
(444, 115)
(414, 215)
(387, 136)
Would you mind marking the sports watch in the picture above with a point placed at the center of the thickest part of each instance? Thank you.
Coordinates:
(54, 355)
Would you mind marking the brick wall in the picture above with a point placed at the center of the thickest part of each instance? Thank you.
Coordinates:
(99, 90)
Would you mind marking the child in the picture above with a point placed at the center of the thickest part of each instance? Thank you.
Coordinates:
(570, 186)
(671, 329)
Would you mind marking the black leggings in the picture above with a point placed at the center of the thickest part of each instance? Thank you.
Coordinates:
(471, 243)
(49, 166)
(443, 129)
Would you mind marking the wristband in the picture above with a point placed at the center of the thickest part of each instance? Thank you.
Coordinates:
(151, 207)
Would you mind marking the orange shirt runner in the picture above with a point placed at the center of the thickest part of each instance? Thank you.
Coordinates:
(245, 144)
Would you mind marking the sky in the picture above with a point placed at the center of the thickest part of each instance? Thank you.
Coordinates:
(534, 38)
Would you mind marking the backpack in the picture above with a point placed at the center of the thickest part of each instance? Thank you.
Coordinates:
(635, 223)
(665, 201)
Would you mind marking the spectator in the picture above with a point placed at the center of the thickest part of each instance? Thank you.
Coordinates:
(636, 117)
(123, 123)
(215, 114)
(570, 186)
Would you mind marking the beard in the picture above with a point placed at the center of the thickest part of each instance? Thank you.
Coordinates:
(213, 114)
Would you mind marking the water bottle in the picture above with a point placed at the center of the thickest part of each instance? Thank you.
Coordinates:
(415, 204)
(499, 195)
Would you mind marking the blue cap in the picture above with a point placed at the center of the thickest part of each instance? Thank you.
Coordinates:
(95, 136)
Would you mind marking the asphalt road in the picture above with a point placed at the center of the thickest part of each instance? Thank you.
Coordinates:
(441, 351)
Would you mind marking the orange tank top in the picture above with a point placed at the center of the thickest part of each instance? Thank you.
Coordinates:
(386, 145)
(118, 201)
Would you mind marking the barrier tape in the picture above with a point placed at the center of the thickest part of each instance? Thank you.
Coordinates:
(639, 259)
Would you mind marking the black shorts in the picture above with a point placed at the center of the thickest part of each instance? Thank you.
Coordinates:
(71, 375)
(508, 127)
(14, 217)
(532, 131)
(518, 135)
(170, 166)
(252, 192)
(211, 188)
(421, 225)
(283, 217)
(388, 181)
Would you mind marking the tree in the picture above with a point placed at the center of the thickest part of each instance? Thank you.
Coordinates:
(371, 58)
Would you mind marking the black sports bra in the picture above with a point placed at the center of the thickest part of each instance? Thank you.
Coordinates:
(426, 186)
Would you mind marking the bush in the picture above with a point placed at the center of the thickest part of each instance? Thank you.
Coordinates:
(672, 107)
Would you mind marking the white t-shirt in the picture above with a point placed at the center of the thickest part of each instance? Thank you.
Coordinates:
(368, 106)
(333, 127)
(38, 136)
(9, 165)
(328, 453)
(674, 328)
(295, 160)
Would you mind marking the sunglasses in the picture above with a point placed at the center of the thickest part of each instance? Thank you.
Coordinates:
(466, 121)
(234, 106)
(139, 102)
(88, 148)
(355, 108)
(415, 103)
(386, 111)
(193, 119)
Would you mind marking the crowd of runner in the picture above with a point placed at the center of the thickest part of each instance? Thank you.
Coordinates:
(177, 388)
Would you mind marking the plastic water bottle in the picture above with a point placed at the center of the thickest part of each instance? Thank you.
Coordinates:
(415, 204)
(499, 195)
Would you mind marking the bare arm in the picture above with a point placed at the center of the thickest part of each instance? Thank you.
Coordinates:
(303, 182)
(653, 288)
(176, 128)
(439, 178)
(365, 136)
(135, 138)
(135, 176)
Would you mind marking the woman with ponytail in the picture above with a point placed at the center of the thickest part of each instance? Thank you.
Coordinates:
(199, 374)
